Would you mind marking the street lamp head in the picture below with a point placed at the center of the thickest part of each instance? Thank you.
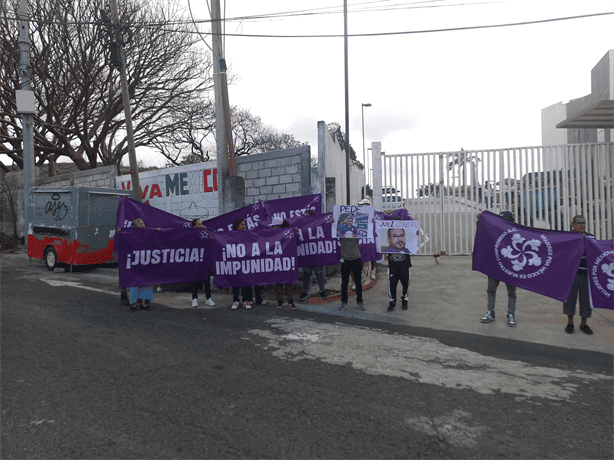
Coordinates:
(366, 105)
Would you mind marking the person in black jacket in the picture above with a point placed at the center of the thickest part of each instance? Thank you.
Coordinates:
(580, 286)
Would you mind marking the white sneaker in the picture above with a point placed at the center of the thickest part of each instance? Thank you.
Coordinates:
(247, 306)
(209, 302)
(194, 303)
(373, 275)
(511, 320)
(262, 304)
(235, 306)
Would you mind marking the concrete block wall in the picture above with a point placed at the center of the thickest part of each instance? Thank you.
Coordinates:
(99, 177)
(278, 174)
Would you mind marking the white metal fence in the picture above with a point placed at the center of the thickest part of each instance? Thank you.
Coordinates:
(543, 186)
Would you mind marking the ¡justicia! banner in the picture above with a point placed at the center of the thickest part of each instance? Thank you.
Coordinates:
(171, 255)
(541, 261)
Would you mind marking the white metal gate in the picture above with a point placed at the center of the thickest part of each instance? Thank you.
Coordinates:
(543, 186)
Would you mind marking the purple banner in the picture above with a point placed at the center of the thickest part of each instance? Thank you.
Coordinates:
(541, 261)
(252, 215)
(600, 265)
(289, 208)
(255, 258)
(128, 210)
(402, 214)
(148, 256)
(316, 243)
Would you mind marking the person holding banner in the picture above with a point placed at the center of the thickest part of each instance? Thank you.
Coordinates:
(278, 222)
(351, 262)
(307, 271)
(246, 291)
(197, 223)
(139, 294)
(491, 290)
(399, 263)
(580, 285)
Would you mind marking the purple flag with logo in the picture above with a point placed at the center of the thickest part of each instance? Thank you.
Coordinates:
(252, 215)
(149, 256)
(541, 261)
(288, 208)
(600, 266)
(255, 258)
(316, 243)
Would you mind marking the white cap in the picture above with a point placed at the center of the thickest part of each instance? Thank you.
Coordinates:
(365, 201)
(277, 221)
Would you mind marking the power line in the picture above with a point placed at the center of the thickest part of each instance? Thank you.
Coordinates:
(158, 26)
(451, 29)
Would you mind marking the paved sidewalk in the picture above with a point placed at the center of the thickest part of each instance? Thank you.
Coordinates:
(450, 296)
(445, 296)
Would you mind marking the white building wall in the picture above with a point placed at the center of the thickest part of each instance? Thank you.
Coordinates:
(334, 166)
(551, 135)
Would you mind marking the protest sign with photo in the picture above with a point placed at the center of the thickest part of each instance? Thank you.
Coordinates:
(353, 221)
(397, 236)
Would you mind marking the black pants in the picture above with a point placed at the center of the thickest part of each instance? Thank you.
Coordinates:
(398, 271)
(354, 267)
(246, 294)
(196, 285)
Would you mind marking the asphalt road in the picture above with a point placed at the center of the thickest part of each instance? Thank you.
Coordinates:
(84, 378)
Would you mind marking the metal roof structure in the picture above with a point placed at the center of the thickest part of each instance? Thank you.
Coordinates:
(597, 116)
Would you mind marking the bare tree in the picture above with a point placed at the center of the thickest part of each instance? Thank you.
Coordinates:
(195, 141)
(335, 131)
(8, 196)
(252, 136)
(79, 105)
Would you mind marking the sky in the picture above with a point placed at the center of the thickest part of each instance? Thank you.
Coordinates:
(430, 91)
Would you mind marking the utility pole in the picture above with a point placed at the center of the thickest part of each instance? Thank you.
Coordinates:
(116, 41)
(231, 188)
(221, 138)
(347, 102)
(26, 106)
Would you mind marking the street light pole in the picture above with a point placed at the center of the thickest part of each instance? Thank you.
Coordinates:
(364, 154)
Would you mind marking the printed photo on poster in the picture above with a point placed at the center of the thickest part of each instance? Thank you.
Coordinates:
(353, 221)
(397, 236)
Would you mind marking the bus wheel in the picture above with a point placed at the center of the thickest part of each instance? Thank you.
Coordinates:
(50, 258)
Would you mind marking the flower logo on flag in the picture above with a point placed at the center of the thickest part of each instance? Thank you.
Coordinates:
(517, 255)
(328, 219)
(608, 269)
(602, 273)
(187, 225)
(522, 253)
(205, 234)
(288, 234)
